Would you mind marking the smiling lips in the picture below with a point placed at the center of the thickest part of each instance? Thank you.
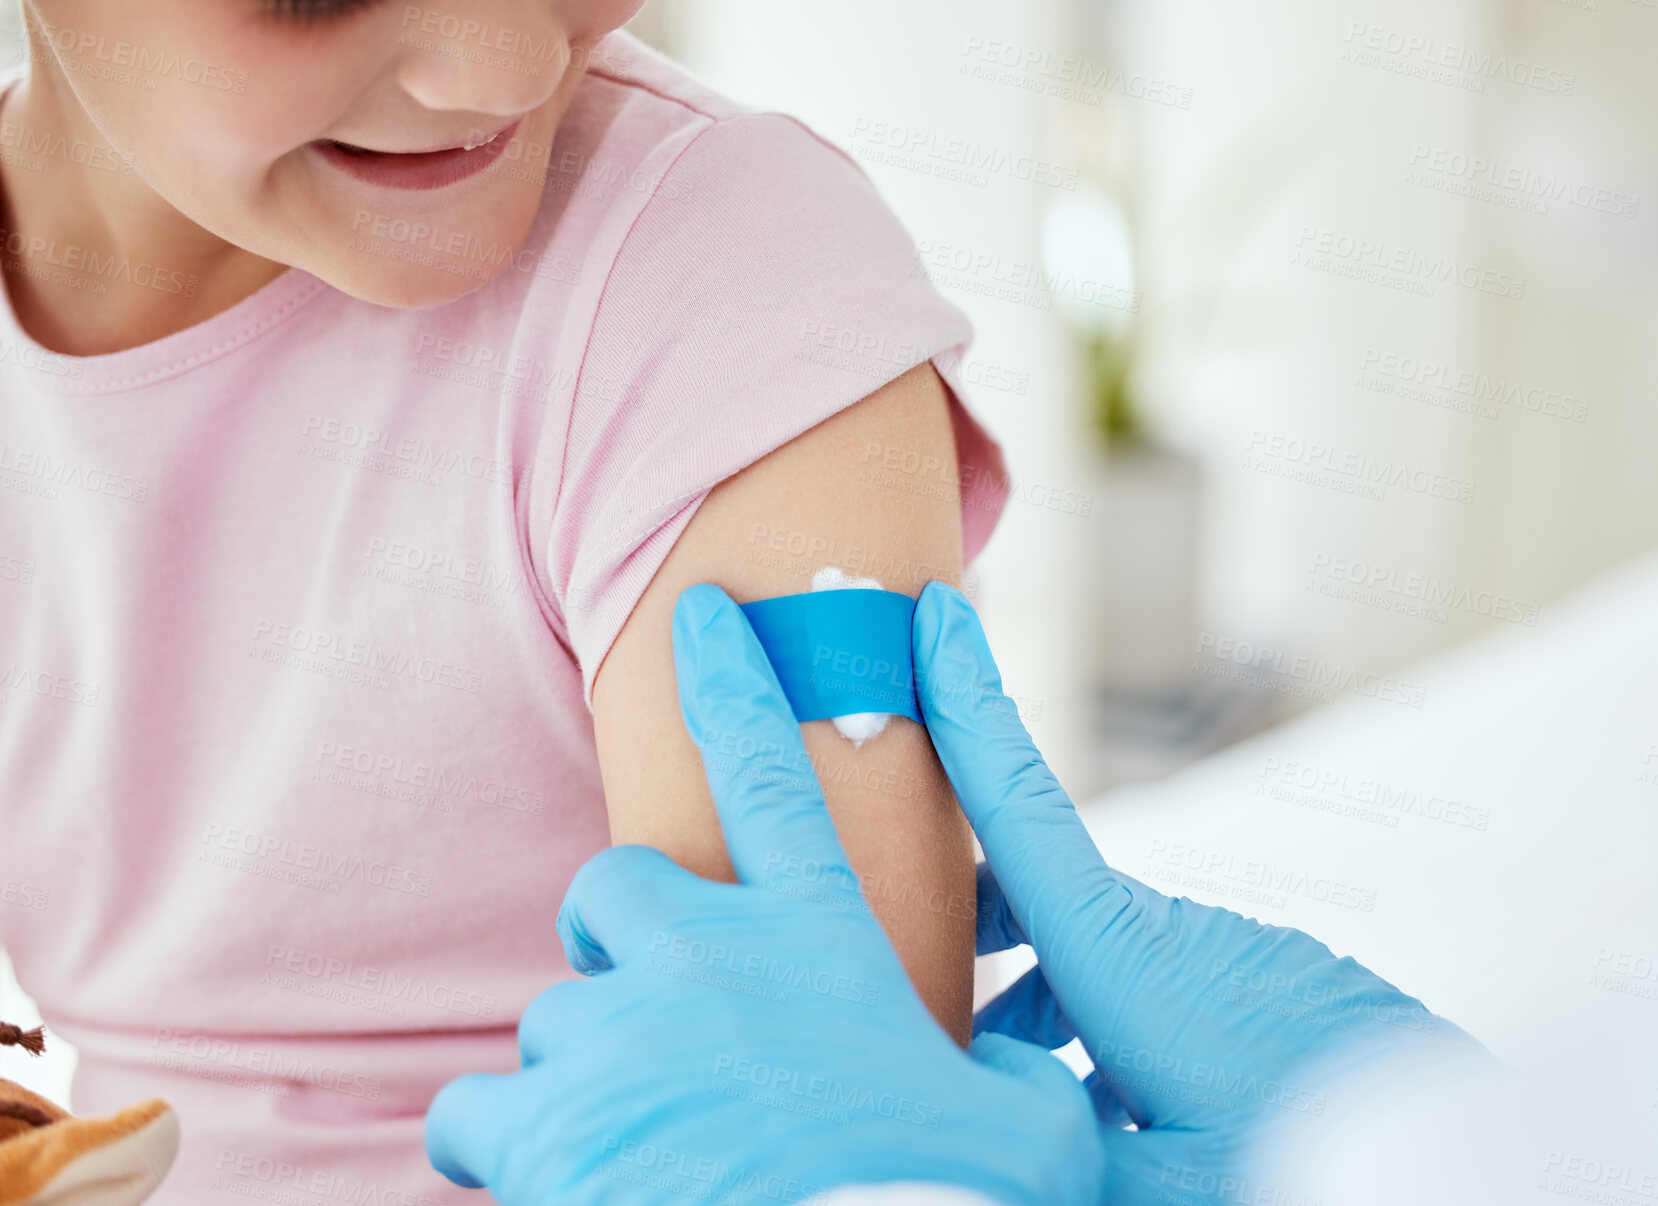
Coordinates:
(419, 169)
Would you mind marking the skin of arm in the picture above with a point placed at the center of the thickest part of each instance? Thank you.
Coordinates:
(903, 832)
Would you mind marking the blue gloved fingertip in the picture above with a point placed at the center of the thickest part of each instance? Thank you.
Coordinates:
(443, 1113)
(698, 613)
(952, 657)
(697, 607)
(580, 951)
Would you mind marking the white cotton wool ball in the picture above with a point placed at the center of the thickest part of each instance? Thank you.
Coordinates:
(859, 727)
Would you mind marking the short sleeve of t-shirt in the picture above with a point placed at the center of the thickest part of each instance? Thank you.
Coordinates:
(764, 287)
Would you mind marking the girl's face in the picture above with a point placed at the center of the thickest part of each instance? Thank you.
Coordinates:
(233, 112)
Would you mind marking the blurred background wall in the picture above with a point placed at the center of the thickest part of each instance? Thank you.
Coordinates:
(1387, 310)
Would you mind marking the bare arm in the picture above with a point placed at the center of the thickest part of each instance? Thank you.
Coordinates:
(890, 800)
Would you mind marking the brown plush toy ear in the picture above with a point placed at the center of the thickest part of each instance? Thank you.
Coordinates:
(49, 1158)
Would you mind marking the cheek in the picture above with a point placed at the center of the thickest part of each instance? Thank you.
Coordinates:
(295, 87)
(589, 20)
(210, 156)
(178, 82)
(284, 109)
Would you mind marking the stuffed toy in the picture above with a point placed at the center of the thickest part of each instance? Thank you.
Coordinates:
(49, 1158)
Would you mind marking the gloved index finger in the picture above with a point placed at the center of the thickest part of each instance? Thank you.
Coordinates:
(464, 1138)
(997, 928)
(776, 824)
(619, 904)
(1050, 872)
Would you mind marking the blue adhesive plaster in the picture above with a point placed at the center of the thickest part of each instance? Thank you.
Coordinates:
(840, 652)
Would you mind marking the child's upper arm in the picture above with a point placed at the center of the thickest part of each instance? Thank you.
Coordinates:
(902, 830)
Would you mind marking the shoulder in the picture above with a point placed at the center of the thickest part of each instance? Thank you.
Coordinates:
(623, 62)
(11, 75)
(646, 135)
(703, 226)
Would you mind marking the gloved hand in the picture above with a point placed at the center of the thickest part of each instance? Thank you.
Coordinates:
(1203, 1026)
(751, 1042)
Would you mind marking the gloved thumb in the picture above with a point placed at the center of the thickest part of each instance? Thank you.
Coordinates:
(1027, 1061)
(1088, 925)
(1026, 1010)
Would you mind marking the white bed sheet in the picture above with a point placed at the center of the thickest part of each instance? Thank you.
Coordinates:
(1539, 933)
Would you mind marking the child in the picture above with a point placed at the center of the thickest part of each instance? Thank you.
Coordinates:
(373, 376)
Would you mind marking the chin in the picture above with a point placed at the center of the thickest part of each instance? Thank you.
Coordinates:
(408, 289)
(412, 272)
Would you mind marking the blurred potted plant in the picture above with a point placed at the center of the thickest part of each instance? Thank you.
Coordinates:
(1142, 577)
(1146, 574)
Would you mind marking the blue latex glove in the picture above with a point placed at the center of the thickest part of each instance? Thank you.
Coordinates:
(750, 1042)
(1204, 1026)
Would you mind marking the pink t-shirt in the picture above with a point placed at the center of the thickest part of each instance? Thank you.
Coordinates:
(300, 608)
